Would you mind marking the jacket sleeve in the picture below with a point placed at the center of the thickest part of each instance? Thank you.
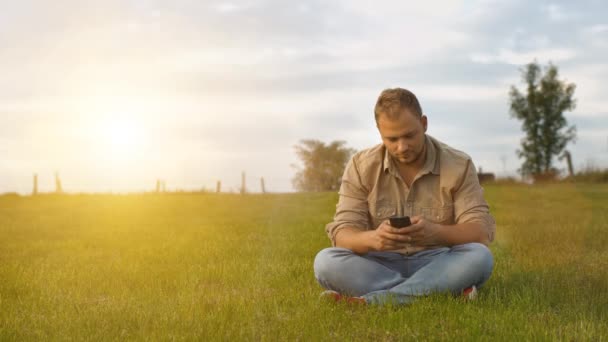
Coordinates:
(469, 203)
(352, 209)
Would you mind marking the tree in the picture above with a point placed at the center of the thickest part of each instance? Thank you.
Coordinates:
(323, 165)
(541, 111)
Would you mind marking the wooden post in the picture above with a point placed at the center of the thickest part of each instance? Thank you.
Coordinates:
(568, 157)
(569, 160)
(262, 184)
(503, 158)
(243, 188)
(35, 191)
(58, 187)
(218, 186)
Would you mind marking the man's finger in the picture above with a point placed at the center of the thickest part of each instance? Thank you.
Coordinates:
(415, 219)
(397, 231)
(395, 237)
(401, 238)
(411, 229)
(385, 225)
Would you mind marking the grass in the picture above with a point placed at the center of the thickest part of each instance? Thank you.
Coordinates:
(591, 175)
(231, 267)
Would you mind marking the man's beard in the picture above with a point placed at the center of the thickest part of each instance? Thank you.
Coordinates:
(409, 158)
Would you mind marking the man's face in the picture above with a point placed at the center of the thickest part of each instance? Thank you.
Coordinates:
(403, 136)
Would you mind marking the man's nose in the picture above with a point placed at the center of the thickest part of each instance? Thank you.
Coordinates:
(402, 145)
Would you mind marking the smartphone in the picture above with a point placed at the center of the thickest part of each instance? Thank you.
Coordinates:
(400, 221)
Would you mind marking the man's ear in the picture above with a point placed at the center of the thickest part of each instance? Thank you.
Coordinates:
(425, 122)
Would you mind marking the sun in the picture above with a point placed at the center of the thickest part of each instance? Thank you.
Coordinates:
(123, 133)
(121, 137)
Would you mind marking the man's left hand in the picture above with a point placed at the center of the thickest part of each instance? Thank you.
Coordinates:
(423, 232)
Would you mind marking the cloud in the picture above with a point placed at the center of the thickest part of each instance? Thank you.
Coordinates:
(597, 29)
(228, 85)
(596, 36)
(519, 58)
(589, 88)
(460, 93)
(226, 7)
(555, 12)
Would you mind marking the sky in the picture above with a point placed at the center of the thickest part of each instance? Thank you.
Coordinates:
(114, 95)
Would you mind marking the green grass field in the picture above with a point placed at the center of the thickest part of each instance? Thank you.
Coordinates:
(231, 267)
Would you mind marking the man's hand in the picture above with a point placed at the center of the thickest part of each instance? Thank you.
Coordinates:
(387, 238)
(422, 232)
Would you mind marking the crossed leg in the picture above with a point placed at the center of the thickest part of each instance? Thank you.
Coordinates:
(386, 276)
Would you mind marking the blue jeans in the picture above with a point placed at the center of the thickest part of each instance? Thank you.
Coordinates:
(382, 277)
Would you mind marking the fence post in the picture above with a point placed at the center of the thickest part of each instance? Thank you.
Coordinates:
(263, 187)
(218, 186)
(35, 191)
(243, 188)
(58, 187)
(568, 157)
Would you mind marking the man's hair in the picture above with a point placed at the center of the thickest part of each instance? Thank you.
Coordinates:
(392, 102)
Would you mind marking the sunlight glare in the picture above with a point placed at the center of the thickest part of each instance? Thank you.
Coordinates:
(122, 137)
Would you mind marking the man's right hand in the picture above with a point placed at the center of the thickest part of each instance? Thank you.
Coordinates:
(387, 238)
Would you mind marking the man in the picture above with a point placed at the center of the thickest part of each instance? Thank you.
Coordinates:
(413, 174)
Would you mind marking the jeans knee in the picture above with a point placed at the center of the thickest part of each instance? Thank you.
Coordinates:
(325, 263)
(481, 258)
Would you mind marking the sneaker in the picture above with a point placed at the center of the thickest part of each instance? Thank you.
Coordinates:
(334, 297)
(470, 293)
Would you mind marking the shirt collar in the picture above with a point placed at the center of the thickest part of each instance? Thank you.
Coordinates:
(431, 165)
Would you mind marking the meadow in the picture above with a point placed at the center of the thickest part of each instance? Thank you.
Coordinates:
(230, 267)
